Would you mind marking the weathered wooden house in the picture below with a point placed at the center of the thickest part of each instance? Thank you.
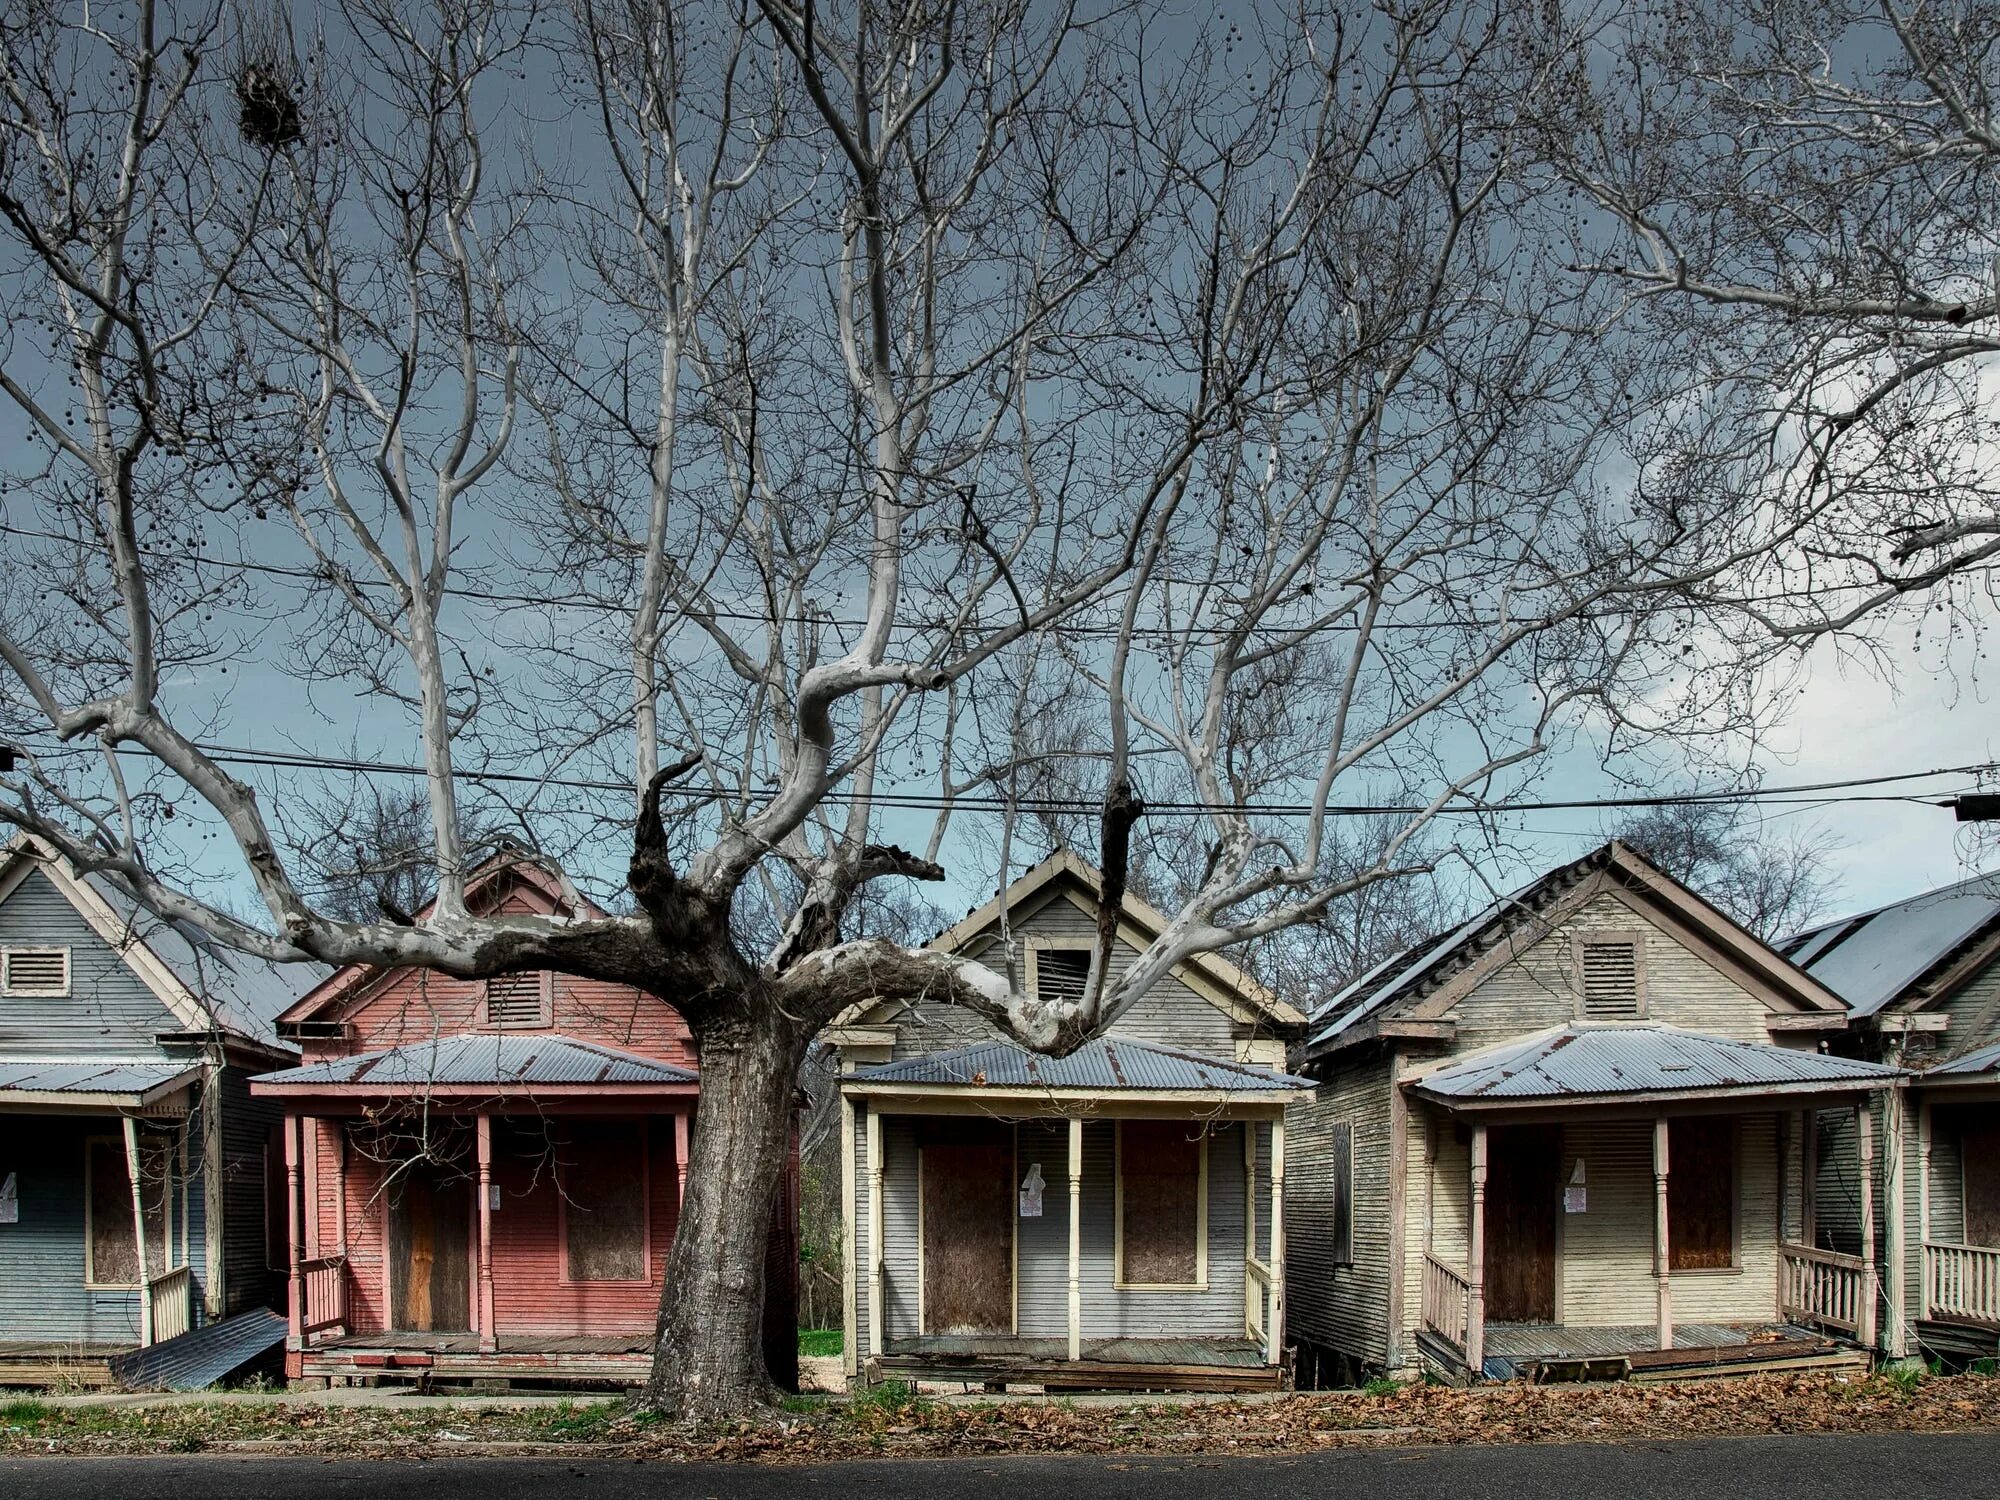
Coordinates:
(483, 1177)
(1922, 981)
(1114, 1218)
(133, 1161)
(1567, 1135)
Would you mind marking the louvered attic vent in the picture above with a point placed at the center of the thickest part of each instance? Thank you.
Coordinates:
(1610, 981)
(1060, 974)
(514, 1001)
(34, 971)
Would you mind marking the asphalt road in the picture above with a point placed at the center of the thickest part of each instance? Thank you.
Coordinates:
(1852, 1468)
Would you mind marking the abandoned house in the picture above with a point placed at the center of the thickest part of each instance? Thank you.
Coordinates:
(1567, 1137)
(134, 1215)
(483, 1177)
(1922, 982)
(1113, 1218)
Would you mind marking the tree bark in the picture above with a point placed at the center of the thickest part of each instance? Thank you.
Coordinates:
(708, 1362)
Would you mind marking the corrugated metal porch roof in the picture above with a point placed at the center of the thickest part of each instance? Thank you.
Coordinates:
(1604, 1062)
(97, 1080)
(1979, 1060)
(499, 1060)
(1108, 1063)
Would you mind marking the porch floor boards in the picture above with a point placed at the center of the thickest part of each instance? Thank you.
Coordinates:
(468, 1343)
(1114, 1363)
(618, 1359)
(1516, 1341)
(54, 1363)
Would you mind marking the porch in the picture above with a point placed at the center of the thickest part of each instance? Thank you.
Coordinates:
(1629, 1226)
(425, 1357)
(1070, 1234)
(1958, 1206)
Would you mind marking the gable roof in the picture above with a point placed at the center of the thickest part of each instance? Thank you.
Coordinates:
(1063, 869)
(1613, 1062)
(1105, 1064)
(491, 880)
(1903, 953)
(1462, 956)
(205, 984)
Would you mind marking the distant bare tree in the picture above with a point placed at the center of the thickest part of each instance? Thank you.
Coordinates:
(1774, 886)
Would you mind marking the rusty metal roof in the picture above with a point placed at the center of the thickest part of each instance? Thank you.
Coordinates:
(95, 1080)
(1108, 1063)
(484, 1059)
(1604, 1062)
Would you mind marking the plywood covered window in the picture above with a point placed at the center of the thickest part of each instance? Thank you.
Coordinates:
(34, 971)
(111, 1247)
(604, 1207)
(1979, 1168)
(518, 1002)
(1162, 1204)
(1610, 977)
(1701, 1194)
(1340, 1165)
(1061, 974)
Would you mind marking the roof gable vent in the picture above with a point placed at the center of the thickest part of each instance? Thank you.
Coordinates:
(1060, 975)
(517, 1002)
(34, 971)
(1610, 971)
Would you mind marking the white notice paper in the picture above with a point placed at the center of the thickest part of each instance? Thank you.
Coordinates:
(1576, 1197)
(1031, 1192)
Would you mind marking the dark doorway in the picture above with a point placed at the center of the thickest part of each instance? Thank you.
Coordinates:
(430, 1257)
(1981, 1148)
(968, 1230)
(1523, 1194)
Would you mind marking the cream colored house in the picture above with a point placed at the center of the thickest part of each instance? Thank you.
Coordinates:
(1566, 1136)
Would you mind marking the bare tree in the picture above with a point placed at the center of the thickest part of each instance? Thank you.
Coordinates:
(1773, 885)
(884, 379)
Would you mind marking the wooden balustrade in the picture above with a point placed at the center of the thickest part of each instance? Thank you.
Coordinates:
(171, 1295)
(1962, 1283)
(1821, 1286)
(326, 1294)
(1447, 1305)
(1257, 1306)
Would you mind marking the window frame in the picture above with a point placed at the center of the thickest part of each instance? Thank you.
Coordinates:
(545, 1016)
(1034, 947)
(13, 991)
(1674, 1241)
(1118, 1277)
(651, 1277)
(1607, 937)
(1340, 1137)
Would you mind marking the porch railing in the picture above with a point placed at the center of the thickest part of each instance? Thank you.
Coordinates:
(1820, 1286)
(1447, 1306)
(326, 1294)
(170, 1296)
(1257, 1299)
(1961, 1283)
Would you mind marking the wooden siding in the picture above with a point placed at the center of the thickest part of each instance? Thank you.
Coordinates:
(108, 1011)
(1042, 1244)
(1342, 1308)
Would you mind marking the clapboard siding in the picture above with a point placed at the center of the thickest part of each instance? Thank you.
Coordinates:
(1339, 1306)
(1170, 1013)
(247, 1279)
(108, 1012)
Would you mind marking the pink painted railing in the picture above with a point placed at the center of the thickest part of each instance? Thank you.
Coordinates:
(1961, 1283)
(326, 1294)
(1447, 1305)
(1820, 1286)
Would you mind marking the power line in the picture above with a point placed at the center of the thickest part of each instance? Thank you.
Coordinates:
(1802, 794)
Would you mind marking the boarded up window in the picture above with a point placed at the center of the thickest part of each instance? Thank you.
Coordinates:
(1701, 1194)
(517, 1001)
(1340, 1151)
(1160, 1209)
(604, 1202)
(1610, 980)
(114, 1258)
(34, 971)
(1060, 974)
(1981, 1162)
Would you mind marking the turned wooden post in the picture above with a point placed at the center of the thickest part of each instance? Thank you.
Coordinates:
(874, 1231)
(132, 1170)
(1274, 1334)
(1663, 1258)
(296, 1227)
(680, 1157)
(1927, 1291)
(1475, 1262)
(1864, 1133)
(488, 1336)
(1076, 1237)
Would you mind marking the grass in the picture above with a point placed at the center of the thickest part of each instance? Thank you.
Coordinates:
(1382, 1385)
(886, 1395)
(820, 1341)
(22, 1413)
(1906, 1378)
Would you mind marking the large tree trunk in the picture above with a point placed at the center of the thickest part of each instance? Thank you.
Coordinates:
(709, 1362)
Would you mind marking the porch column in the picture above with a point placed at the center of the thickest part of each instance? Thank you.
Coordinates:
(139, 1231)
(488, 1341)
(295, 1228)
(1925, 1290)
(340, 1188)
(1864, 1135)
(1274, 1332)
(874, 1230)
(1076, 1237)
(850, 1244)
(1663, 1279)
(1475, 1261)
(680, 1156)
(1896, 1155)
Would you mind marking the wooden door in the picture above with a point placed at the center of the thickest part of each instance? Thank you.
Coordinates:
(968, 1231)
(430, 1257)
(1523, 1195)
(1981, 1158)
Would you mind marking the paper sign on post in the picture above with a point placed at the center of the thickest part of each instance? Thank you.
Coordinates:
(1576, 1197)
(1031, 1192)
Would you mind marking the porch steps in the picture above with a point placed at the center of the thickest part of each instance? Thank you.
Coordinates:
(1788, 1355)
(198, 1359)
